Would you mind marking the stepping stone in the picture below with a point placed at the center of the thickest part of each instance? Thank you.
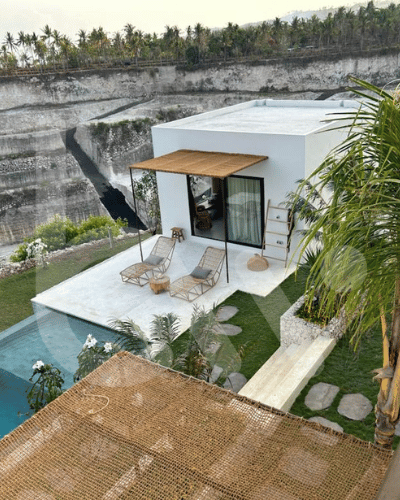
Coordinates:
(235, 381)
(327, 423)
(226, 312)
(319, 437)
(354, 406)
(321, 396)
(227, 329)
(216, 372)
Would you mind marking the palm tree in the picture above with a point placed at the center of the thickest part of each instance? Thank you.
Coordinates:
(360, 257)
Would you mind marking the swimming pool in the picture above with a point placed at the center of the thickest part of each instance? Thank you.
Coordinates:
(49, 336)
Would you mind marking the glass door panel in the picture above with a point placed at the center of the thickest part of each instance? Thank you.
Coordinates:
(244, 210)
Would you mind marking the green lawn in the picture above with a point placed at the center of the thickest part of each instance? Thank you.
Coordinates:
(258, 317)
(17, 291)
(351, 372)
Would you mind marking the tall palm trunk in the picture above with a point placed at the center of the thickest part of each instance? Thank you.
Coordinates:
(388, 404)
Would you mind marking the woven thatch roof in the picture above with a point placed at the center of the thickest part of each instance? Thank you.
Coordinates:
(204, 163)
(135, 430)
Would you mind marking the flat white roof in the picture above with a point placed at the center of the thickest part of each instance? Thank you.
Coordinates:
(287, 117)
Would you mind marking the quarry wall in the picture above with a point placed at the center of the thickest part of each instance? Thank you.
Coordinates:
(292, 74)
(39, 178)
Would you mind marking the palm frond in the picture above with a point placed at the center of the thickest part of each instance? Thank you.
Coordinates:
(130, 337)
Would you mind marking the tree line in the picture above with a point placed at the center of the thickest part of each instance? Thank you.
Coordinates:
(343, 30)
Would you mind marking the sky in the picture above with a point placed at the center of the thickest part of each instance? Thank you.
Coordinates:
(69, 16)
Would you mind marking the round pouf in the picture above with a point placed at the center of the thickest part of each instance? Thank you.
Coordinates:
(257, 263)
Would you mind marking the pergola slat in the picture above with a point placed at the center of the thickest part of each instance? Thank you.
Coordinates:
(203, 163)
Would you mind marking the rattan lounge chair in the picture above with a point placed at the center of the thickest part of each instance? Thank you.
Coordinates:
(157, 262)
(202, 278)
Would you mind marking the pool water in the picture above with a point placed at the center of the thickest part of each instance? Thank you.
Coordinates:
(50, 336)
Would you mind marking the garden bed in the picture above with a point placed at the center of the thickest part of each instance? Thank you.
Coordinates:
(295, 330)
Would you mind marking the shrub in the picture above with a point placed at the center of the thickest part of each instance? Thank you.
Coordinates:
(61, 232)
(91, 235)
(57, 233)
(20, 253)
(46, 388)
(100, 221)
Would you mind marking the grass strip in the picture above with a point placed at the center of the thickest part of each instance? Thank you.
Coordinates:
(16, 291)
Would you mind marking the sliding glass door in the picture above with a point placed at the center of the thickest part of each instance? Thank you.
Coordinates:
(244, 210)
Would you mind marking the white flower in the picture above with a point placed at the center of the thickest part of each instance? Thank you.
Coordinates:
(39, 364)
(108, 347)
(90, 341)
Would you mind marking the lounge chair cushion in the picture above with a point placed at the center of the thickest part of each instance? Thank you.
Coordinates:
(200, 273)
(153, 260)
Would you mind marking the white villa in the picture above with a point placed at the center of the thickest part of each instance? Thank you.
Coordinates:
(286, 141)
(247, 154)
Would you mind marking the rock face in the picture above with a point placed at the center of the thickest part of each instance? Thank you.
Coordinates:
(35, 109)
(292, 75)
(34, 188)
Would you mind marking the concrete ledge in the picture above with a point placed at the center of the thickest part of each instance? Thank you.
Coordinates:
(280, 380)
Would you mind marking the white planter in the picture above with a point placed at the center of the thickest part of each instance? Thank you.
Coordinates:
(295, 330)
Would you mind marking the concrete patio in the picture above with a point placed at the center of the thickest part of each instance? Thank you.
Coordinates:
(99, 295)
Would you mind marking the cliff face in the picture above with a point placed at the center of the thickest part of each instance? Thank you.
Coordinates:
(35, 188)
(292, 75)
(113, 112)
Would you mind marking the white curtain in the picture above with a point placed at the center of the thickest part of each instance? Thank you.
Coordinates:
(244, 210)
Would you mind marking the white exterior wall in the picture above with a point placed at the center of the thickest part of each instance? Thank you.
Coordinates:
(284, 166)
(318, 145)
(291, 156)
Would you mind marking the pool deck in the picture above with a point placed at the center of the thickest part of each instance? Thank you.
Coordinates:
(98, 294)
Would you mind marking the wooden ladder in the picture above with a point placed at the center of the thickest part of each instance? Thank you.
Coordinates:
(288, 220)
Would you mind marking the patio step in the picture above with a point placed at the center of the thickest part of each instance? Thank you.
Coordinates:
(280, 380)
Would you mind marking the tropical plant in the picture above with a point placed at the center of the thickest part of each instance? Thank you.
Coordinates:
(92, 355)
(195, 360)
(47, 386)
(164, 330)
(360, 256)
(131, 338)
(205, 347)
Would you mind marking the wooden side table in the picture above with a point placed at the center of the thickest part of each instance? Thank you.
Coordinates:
(177, 233)
(159, 284)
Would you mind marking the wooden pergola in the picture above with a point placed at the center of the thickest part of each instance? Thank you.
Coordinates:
(201, 163)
